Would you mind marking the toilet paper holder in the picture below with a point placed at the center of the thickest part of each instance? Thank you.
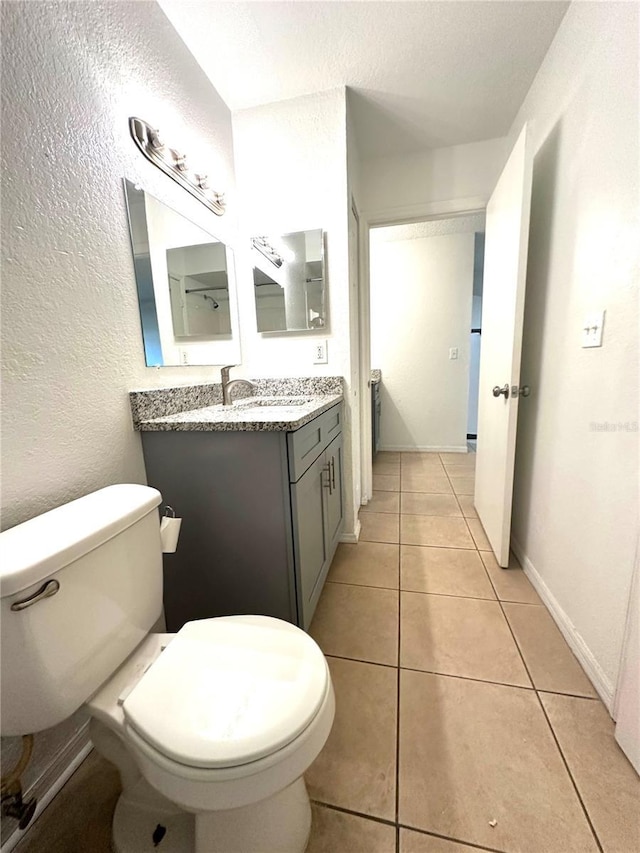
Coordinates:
(169, 530)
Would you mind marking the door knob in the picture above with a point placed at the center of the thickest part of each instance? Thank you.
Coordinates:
(497, 391)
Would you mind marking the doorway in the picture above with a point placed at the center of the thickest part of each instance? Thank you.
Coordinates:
(425, 295)
(475, 341)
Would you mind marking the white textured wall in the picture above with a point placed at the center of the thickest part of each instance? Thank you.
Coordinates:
(396, 187)
(576, 494)
(72, 348)
(292, 176)
(421, 291)
(71, 341)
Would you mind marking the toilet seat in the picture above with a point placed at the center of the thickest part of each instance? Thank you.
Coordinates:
(227, 692)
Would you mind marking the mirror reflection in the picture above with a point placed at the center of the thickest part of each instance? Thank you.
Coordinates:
(289, 282)
(199, 290)
(183, 276)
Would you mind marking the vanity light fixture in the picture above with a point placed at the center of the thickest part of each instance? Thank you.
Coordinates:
(174, 164)
(265, 248)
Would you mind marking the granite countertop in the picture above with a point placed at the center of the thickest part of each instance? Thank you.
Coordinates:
(376, 376)
(251, 414)
(260, 404)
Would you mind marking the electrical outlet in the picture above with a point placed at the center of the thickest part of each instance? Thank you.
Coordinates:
(184, 356)
(320, 352)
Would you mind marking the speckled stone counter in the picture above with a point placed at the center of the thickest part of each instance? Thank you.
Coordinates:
(270, 405)
(376, 376)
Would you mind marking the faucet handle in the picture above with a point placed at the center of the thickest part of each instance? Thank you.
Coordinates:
(224, 371)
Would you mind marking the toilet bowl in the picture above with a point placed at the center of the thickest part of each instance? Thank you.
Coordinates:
(211, 728)
(226, 714)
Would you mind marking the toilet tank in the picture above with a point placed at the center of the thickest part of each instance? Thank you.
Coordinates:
(101, 557)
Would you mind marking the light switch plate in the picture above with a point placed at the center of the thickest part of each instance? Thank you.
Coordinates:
(453, 353)
(320, 352)
(592, 329)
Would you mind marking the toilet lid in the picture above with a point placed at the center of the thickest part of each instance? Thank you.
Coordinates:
(228, 691)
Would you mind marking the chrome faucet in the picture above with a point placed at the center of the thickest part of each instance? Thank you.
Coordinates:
(228, 384)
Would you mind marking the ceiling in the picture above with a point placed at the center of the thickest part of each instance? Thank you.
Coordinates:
(424, 74)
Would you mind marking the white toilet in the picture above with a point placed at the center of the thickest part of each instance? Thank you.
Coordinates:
(211, 728)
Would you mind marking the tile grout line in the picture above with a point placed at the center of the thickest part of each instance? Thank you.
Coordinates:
(449, 595)
(462, 677)
(450, 838)
(539, 690)
(440, 594)
(573, 781)
(398, 826)
(418, 544)
(369, 586)
(440, 674)
(344, 810)
(469, 678)
(466, 520)
(360, 660)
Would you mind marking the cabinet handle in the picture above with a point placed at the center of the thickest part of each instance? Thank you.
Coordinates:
(327, 470)
(333, 473)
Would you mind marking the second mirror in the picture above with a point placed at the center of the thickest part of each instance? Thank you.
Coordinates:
(289, 281)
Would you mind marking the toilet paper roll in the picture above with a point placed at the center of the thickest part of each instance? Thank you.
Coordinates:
(169, 532)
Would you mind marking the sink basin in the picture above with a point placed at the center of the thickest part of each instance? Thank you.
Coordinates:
(272, 402)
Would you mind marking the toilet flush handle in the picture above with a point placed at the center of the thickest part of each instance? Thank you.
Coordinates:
(46, 591)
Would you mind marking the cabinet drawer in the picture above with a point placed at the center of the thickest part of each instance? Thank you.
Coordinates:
(308, 442)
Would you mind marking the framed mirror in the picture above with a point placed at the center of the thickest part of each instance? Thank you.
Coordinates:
(186, 286)
(289, 282)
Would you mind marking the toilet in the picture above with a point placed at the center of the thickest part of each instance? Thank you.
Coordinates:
(211, 728)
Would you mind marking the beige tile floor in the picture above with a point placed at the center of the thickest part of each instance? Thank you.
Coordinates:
(463, 720)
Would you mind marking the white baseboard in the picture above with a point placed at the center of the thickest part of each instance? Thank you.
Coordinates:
(53, 780)
(457, 448)
(350, 538)
(576, 642)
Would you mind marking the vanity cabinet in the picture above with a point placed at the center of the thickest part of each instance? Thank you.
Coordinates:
(262, 516)
(316, 505)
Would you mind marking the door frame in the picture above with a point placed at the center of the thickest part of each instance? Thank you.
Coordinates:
(429, 211)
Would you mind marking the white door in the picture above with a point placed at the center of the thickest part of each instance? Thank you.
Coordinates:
(505, 266)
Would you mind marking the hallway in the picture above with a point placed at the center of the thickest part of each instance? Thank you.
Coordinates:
(501, 740)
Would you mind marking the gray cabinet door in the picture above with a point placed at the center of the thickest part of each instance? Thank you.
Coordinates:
(335, 506)
(308, 507)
